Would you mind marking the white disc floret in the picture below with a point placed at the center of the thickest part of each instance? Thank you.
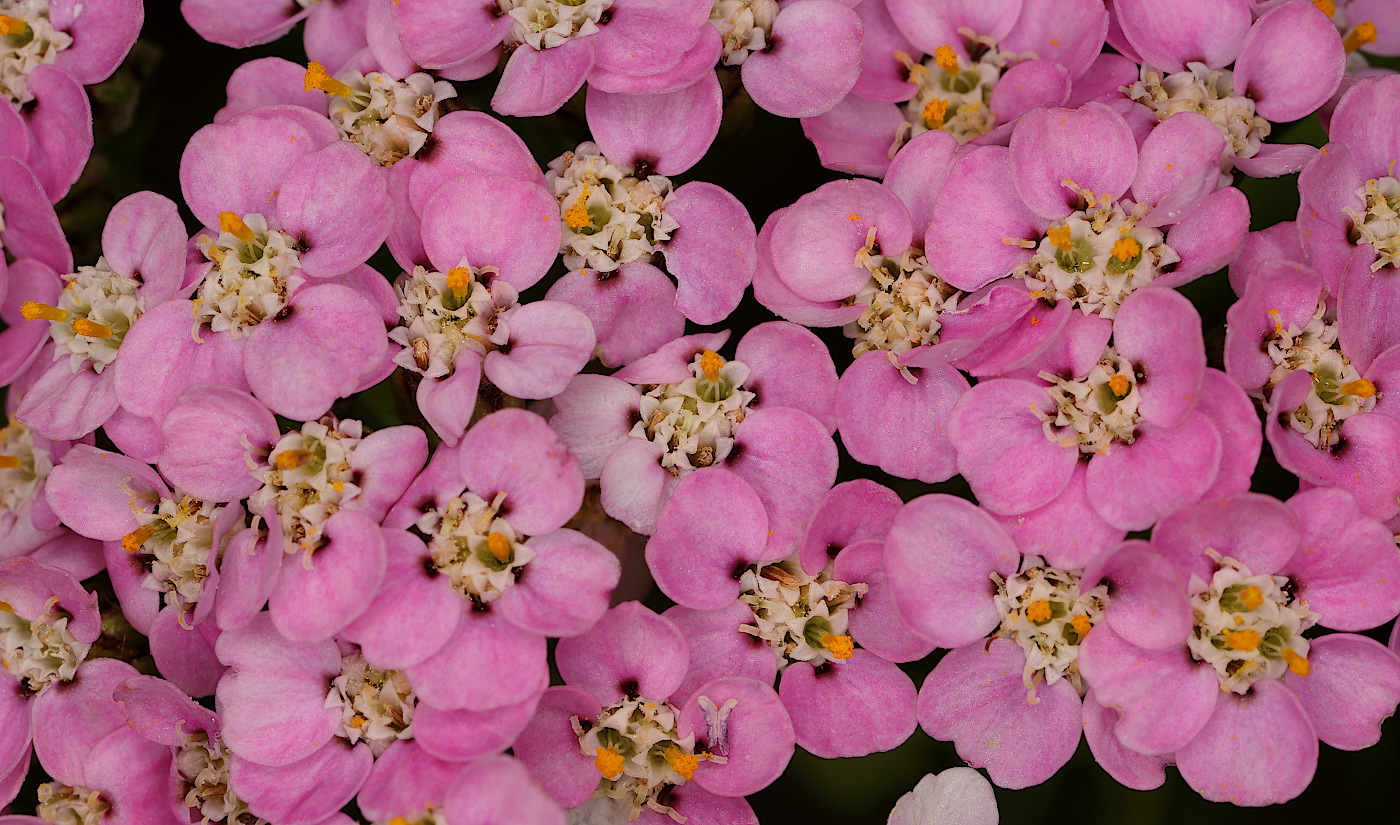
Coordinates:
(906, 300)
(955, 93)
(28, 39)
(479, 551)
(255, 270)
(1249, 627)
(802, 618)
(203, 767)
(694, 421)
(23, 469)
(544, 24)
(611, 216)
(1096, 411)
(744, 27)
(95, 310)
(64, 805)
(40, 651)
(376, 705)
(1379, 222)
(308, 478)
(1338, 391)
(176, 543)
(1047, 615)
(444, 312)
(1209, 92)
(389, 119)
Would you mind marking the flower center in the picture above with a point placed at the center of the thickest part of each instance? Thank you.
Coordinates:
(611, 216)
(695, 420)
(443, 312)
(802, 618)
(744, 26)
(1379, 225)
(478, 550)
(545, 24)
(255, 269)
(389, 119)
(27, 39)
(1095, 411)
(42, 651)
(63, 805)
(1249, 627)
(1044, 612)
(308, 478)
(955, 94)
(176, 543)
(639, 754)
(204, 773)
(376, 705)
(1338, 391)
(23, 469)
(1209, 92)
(95, 311)
(906, 300)
(1096, 257)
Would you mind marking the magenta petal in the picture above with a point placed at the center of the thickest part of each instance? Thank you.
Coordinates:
(64, 405)
(789, 367)
(851, 511)
(1091, 146)
(267, 81)
(938, 557)
(10, 785)
(917, 175)
(307, 791)
(498, 790)
(1352, 686)
(876, 623)
(1134, 485)
(882, 76)
(97, 493)
(594, 418)
(1272, 763)
(971, 253)
(1290, 62)
(814, 244)
(539, 82)
(160, 358)
(318, 594)
(760, 735)
(1258, 531)
(568, 586)
(789, 459)
(897, 426)
(1160, 331)
(1208, 237)
(460, 735)
(1178, 164)
(102, 36)
(864, 706)
(488, 663)
(696, 557)
(448, 402)
(1366, 297)
(31, 227)
(412, 615)
(14, 732)
(60, 128)
(1027, 85)
(1103, 79)
(1346, 567)
(205, 438)
(632, 310)
(186, 657)
(438, 33)
(550, 749)
(1068, 531)
(929, 26)
(812, 61)
(1002, 449)
(133, 774)
(1134, 770)
(631, 650)
(1232, 412)
(550, 341)
(699, 60)
(976, 698)
(336, 201)
(711, 253)
(635, 486)
(668, 132)
(514, 452)
(719, 648)
(1164, 696)
(493, 221)
(855, 135)
(406, 778)
(70, 719)
(471, 144)
(1206, 31)
(1148, 607)
(1069, 32)
(247, 574)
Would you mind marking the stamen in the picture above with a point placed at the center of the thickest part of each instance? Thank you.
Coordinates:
(292, 459)
(1060, 237)
(681, 762)
(459, 280)
(1125, 249)
(234, 225)
(11, 25)
(1327, 7)
(499, 546)
(576, 216)
(947, 59)
(1361, 388)
(1081, 625)
(9, 462)
(608, 762)
(1118, 384)
(1296, 663)
(1252, 597)
(398, 820)
(1362, 35)
(91, 329)
(840, 646)
(934, 112)
(1039, 611)
(133, 541)
(35, 311)
(1242, 639)
(318, 78)
(710, 363)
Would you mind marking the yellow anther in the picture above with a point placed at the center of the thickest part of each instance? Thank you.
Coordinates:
(1363, 34)
(35, 311)
(1038, 611)
(608, 762)
(934, 112)
(459, 280)
(576, 216)
(840, 647)
(1327, 7)
(292, 459)
(1125, 249)
(5, 608)
(499, 546)
(1243, 640)
(131, 542)
(710, 363)
(1296, 663)
(234, 225)
(1251, 597)
(9, 462)
(318, 78)
(1118, 384)
(398, 820)
(1060, 237)
(91, 329)
(11, 25)
(947, 59)
(1081, 625)
(1361, 388)
(681, 762)
(1278, 325)
(358, 722)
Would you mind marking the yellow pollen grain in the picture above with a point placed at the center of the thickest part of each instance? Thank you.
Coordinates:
(131, 542)
(1118, 384)
(9, 462)
(1327, 7)
(710, 363)
(459, 280)
(947, 59)
(1125, 249)
(934, 112)
(1361, 388)
(1059, 236)
(234, 225)
(1243, 640)
(608, 762)
(11, 25)
(91, 329)
(1363, 34)
(1038, 611)
(576, 216)
(1251, 597)
(292, 459)
(1296, 663)
(1081, 625)
(681, 762)
(318, 78)
(499, 546)
(35, 311)
(840, 646)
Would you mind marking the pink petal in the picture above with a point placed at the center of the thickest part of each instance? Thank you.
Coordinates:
(1290, 63)
(970, 254)
(336, 202)
(318, 594)
(790, 367)
(711, 530)
(815, 242)
(667, 132)
(549, 343)
(488, 663)
(855, 707)
(719, 648)
(567, 587)
(812, 60)
(449, 402)
(1134, 770)
(1002, 449)
(876, 623)
(1148, 607)
(539, 82)
(514, 452)
(307, 791)
(855, 135)
(630, 651)
(1134, 485)
(897, 426)
(1273, 762)
(760, 735)
(1068, 531)
(493, 221)
(917, 175)
(437, 33)
(632, 310)
(460, 735)
(711, 253)
(789, 459)
(1205, 31)
(413, 613)
(1091, 146)
(186, 657)
(1346, 568)
(1352, 687)
(498, 790)
(635, 486)
(60, 128)
(221, 473)
(550, 749)
(851, 511)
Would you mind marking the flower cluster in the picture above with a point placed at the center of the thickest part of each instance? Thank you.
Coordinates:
(419, 480)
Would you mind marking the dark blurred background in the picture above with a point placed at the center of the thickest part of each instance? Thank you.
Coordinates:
(173, 83)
